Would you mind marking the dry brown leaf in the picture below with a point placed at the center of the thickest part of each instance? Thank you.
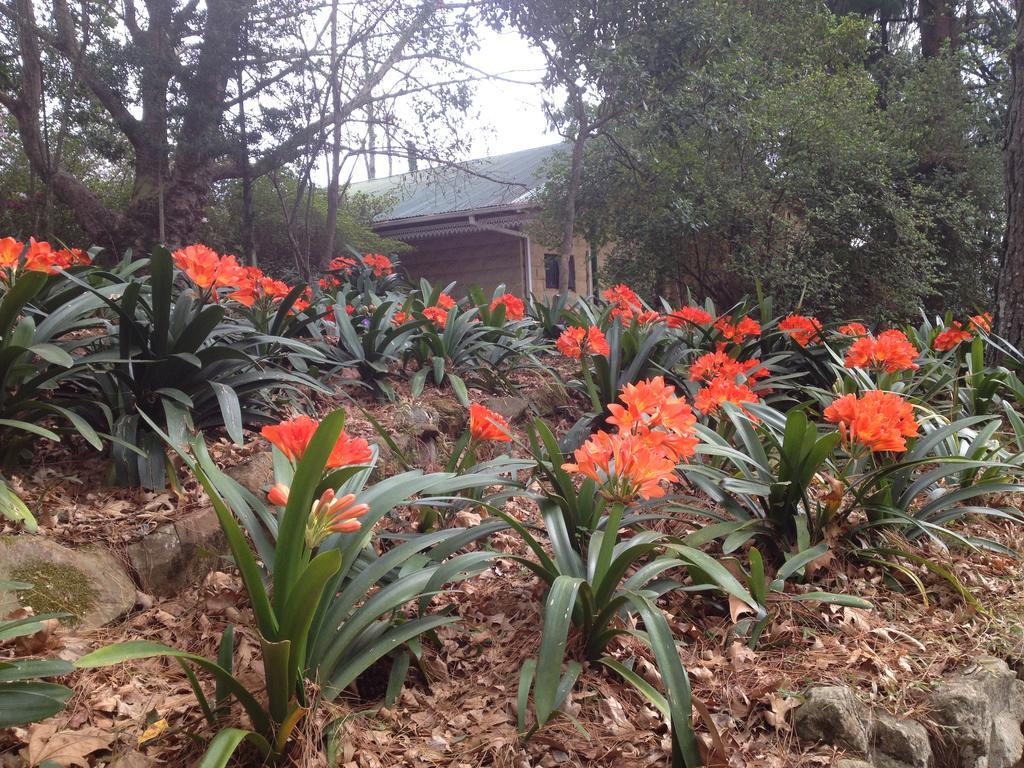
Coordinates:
(133, 759)
(740, 655)
(778, 707)
(67, 748)
(737, 608)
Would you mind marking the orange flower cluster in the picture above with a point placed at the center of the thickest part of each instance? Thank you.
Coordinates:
(652, 409)
(379, 263)
(292, 437)
(208, 269)
(648, 317)
(688, 315)
(951, 337)
(515, 309)
(401, 318)
(713, 365)
(437, 315)
(853, 329)
(329, 514)
(890, 350)
(328, 283)
(655, 431)
(880, 421)
(342, 264)
(724, 389)
(255, 286)
(40, 256)
(740, 331)
(982, 322)
(485, 424)
(444, 301)
(802, 329)
(571, 342)
(624, 301)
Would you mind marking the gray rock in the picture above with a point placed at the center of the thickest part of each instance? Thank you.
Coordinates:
(982, 710)
(511, 408)
(179, 553)
(89, 583)
(834, 715)
(255, 474)
(847, 762)
(899, 743)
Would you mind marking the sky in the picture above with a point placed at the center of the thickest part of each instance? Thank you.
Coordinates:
(505, 116)
(510, 116)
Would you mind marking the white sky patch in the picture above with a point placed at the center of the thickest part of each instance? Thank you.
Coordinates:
(511, 116)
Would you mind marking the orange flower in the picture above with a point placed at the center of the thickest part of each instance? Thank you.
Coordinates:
(302, 302)
(41, 257)
(597, 344)
(400, 317)
(436, 315)
(10, 252)
(714, 365)
(982, 322)
(853, 329)
(333, 515)
(624, 301)
(571, 342)
(625, 464)
(692, 315)
(724, 390)
(444, 301)
(278, 495)
(890, 351)
(951, 337)
(653, 409)
(803, 330)
(648, 317)
(329, 283)
(738, 332)
(878, 420)
(514, 307)
(341, 264)
(485, 424)
(208, 270)
(380, 264)
(292, 438)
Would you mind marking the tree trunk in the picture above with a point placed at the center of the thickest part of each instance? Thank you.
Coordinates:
(1010, 289)
(333, 187)
(569, 220)
(938, 25)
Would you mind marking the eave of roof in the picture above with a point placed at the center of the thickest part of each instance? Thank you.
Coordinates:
(491, 183)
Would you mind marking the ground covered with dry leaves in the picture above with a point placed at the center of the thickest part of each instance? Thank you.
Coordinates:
(458, 708)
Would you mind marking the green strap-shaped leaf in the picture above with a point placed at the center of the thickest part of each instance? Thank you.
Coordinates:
(677, 684)
(222, 747)
(29, 702)
(557, 618)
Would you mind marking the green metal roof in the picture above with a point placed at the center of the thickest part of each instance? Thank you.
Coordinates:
(487, 182)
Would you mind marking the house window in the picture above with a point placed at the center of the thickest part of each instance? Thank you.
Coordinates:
(551, 271)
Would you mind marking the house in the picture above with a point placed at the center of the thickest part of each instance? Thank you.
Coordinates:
(470, 223)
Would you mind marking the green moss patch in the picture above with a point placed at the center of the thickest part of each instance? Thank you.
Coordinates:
(55, 589)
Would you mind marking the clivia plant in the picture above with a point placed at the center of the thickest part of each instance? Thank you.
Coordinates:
(285, 610)
(595, 575)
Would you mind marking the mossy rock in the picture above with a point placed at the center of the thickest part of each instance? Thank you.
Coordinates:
(89, 584)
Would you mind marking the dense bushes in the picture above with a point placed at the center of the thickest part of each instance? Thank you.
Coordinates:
(804, 436)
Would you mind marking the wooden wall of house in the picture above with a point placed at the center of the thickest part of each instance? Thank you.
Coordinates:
(486, 259)
(580, 252)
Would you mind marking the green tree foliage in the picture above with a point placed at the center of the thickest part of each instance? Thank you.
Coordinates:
(769, 152)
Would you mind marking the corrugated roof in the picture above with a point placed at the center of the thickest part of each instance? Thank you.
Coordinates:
(486, 182)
